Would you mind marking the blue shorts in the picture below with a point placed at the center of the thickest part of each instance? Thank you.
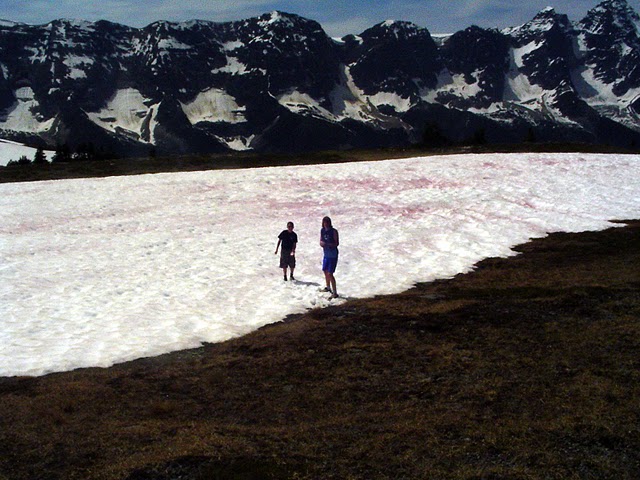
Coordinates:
(329, 264)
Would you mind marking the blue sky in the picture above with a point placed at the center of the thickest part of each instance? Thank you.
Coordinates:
(338, 17)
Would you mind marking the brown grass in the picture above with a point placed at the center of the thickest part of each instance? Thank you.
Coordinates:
(527, 368)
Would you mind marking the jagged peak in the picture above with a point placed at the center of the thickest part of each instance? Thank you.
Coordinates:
(472, 32)
(162, 24)
(611, 12)
(544, 21)
(547, 13)
(276, 16)
(474, 29)
(394, 28)
(73, 23)
(613, 5)
(280, 18)
(620, 8)
(399, 25)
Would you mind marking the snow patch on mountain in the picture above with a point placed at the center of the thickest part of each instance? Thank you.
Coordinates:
(39, 54)
(441, 38)
(231, 46)
(77, 64)
(172, 44)
(518, 87)
(302, 103)
(494, 111)
(276, 17)
(518, 54)
(350, 102)
(233, 67)
(347, 95)
(451, 84)
(22, 115)
(347, 102)
(601, 97)
(238, 143)
(214, 105)
(596, 92)
(127, 113)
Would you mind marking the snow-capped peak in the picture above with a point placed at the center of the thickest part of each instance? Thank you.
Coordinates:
(8, 23)
(544, 21)
(73, 23)
(609, 14)
(397, 29)
(275, 17)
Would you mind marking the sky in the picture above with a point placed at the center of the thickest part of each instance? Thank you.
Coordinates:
(100, 271)
(338, 17)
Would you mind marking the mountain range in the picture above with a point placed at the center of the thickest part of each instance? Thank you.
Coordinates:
(279, 83)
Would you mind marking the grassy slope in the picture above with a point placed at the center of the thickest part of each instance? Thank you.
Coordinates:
(527, 368)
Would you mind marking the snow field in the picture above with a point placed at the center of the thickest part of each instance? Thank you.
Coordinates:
(99, 271)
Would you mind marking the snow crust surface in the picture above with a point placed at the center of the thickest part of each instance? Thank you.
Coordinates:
(99, 271)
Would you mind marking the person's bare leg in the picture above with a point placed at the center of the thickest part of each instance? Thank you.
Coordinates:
(334, 289)
(331, 283)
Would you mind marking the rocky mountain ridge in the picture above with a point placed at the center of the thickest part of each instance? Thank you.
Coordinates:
(279, 83)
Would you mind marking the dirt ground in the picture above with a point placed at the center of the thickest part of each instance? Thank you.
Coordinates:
(526, 368)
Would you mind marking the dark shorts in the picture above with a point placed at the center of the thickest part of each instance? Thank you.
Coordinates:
(329, 264)
(286, 259)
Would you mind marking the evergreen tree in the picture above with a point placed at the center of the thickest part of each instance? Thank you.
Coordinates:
(433, 137)
(85, 151)
(23, 160)
(480, 137)
(62, 153)
(39, 157)
(531, 136)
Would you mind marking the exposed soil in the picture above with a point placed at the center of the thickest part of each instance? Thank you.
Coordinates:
(526, 368)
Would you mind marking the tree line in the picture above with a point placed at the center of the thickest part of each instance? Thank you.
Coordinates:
(433, 137)
(64, 154)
